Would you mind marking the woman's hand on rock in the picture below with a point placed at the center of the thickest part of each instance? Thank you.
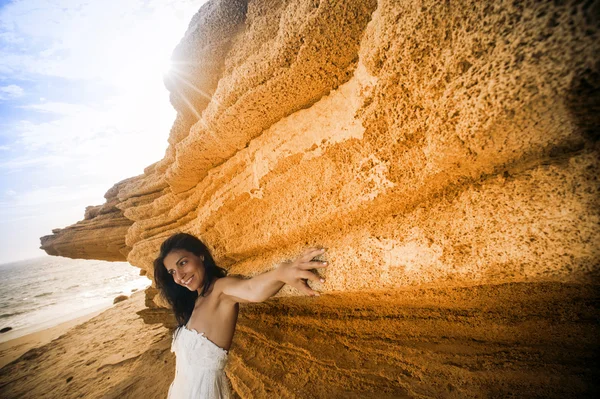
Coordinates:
(297, 272)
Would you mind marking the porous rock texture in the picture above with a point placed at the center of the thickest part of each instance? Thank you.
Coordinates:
(446, 154)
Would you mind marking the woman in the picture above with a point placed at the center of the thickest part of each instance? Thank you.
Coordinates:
(206, 303)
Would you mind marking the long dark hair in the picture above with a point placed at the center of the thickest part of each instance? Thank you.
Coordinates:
(181, 299)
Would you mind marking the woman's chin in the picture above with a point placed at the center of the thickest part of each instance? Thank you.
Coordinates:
(193, 285)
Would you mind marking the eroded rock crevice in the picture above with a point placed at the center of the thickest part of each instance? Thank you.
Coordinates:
(530, 339)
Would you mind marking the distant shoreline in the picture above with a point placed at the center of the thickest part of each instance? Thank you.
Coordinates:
(22, 332)
(37, 295)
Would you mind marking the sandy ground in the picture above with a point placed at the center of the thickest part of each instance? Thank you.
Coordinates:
(112, 354)
(12, 349)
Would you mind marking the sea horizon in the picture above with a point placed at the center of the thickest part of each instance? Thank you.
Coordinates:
(42, 292)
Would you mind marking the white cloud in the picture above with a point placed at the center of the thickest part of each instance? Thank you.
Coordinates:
(116, 139)
(72, 41)
(10, 91)
(120, 45)
(10, 38)
(22, 162)
(41, 196)
(57, 108)
(114, 40)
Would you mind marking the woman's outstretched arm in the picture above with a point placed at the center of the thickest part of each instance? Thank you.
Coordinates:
(262, 287)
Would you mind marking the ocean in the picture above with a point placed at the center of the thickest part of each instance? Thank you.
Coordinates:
(39, 293)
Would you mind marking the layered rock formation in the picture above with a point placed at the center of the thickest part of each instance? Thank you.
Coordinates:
(451, 147)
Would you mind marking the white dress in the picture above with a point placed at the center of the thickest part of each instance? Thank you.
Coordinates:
(199, 370)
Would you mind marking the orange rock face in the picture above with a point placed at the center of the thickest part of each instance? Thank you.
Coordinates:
(426, 144)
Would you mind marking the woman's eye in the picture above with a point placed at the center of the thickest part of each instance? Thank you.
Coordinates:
(183, 262)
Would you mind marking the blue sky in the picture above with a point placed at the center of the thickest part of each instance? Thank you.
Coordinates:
(82, 106)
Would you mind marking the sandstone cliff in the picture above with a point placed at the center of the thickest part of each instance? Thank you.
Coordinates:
(445, 153)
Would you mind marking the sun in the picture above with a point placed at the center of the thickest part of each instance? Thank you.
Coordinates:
(166, 66)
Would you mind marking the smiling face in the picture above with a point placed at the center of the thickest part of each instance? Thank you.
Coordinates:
(186, 268)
